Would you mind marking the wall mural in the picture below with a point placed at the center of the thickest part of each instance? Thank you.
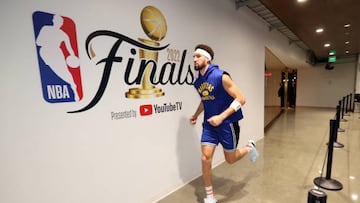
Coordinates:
(59, 62)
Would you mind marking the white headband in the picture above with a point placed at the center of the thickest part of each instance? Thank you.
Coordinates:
(203, 52)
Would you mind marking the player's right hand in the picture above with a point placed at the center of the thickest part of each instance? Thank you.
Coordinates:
(193, 120)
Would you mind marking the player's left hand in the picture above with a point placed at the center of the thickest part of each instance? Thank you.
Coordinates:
(215, 120)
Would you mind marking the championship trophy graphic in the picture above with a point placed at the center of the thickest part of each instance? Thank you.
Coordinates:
(154, 25)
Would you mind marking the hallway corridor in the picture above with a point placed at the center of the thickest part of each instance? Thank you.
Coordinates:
(292, 154)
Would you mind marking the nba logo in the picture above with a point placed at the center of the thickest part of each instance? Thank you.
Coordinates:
(58, 57)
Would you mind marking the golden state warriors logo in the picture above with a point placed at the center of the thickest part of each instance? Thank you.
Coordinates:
(205, 93)
(205, 89)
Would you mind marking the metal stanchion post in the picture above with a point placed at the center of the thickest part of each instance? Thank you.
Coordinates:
(343, 110)
(351, 103)
(338, 112)
(336, 129)
(327, 182)
(347, 105)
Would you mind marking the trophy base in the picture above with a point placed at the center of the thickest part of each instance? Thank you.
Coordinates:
(138, 93)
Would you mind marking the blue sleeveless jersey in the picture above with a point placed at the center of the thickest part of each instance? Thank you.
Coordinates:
(213, 95)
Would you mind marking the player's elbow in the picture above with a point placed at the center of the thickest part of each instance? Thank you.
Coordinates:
(241, 100)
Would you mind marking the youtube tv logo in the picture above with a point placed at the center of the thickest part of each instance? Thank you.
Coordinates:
(146, 110)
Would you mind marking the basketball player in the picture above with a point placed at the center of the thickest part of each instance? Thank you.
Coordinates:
(221, 101)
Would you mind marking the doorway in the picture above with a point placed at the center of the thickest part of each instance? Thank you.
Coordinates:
(287, 90)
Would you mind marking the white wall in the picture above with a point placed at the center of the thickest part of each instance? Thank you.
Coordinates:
(48, 155)
(318, 87)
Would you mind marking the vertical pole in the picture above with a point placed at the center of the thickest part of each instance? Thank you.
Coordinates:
(330, 148)
(337, 129)
(338, 112)
(347, 104)
(286, 87)
(327, 182)
(338, 116)
(342, 109)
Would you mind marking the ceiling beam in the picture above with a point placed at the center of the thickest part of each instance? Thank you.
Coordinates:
(241, 3)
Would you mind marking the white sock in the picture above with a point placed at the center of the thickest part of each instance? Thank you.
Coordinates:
(209, 191)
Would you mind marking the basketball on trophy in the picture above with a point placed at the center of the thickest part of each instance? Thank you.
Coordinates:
(72, 61)
(153, 23)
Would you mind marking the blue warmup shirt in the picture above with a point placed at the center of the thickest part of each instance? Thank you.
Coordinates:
(213, 95)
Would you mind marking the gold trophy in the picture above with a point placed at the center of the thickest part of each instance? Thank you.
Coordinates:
(154, 25)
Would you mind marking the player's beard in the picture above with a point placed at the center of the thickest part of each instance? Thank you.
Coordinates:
(199, 66)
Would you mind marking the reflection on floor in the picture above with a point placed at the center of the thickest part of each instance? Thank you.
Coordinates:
(292, 155)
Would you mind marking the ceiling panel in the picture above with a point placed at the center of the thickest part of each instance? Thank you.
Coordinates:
(304, 18)
(298, 22)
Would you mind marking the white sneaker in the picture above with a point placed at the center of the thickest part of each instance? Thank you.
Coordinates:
(254, 154)
(210, 200)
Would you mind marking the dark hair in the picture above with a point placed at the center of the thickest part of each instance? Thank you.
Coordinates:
(206, 48)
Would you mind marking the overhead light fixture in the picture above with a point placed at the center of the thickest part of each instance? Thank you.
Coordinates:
(301, 1)
(347, 52)
(347, 42)
(347, 25)
(319, 30)
(326, 45)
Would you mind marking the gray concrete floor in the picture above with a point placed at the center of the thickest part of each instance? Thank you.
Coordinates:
(292, 155)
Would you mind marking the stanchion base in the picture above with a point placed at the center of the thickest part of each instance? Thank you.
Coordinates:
(341, 130)
(316, 196)
(336, 145)
(329, 184)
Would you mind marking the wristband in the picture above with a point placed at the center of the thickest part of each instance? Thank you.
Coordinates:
(235, 105)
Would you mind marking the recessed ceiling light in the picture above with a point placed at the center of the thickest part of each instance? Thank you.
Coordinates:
(347, 25)
(319, 30)
(301, 1)
(326, 45)
(347, 51)
(347, 42)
